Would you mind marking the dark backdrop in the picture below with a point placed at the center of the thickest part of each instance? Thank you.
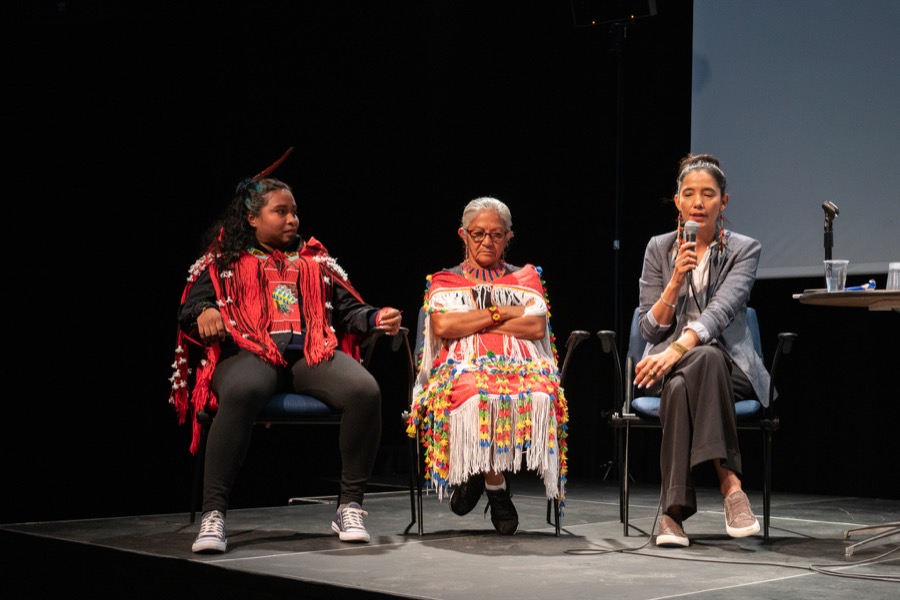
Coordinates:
(126, 128)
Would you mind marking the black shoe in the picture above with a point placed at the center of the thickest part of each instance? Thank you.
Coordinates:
(503, 513)
(466, 495)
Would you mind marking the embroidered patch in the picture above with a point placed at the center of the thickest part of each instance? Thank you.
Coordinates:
(284, 298)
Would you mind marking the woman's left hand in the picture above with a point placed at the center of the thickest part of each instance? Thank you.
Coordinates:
(654, 367)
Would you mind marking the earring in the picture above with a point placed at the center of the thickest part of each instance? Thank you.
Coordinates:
(679, 226)
(721, 241)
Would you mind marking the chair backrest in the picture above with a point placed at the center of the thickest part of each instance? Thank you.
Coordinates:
(420, 336)
(636, 343)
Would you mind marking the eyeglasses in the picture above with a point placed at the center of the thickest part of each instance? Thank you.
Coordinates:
(478, 235)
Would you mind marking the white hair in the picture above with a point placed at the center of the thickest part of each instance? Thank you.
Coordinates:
(479, 205)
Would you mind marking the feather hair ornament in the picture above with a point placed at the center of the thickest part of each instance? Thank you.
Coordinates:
(247, 182)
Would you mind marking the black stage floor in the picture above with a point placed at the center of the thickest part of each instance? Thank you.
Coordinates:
(289, 552)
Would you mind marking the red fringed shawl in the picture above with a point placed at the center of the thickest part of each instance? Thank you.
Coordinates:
(242, 299)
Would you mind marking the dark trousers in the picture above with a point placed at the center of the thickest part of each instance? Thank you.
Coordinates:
(244, 383)
(698, 421)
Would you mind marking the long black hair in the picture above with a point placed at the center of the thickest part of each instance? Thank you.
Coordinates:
(232, 233)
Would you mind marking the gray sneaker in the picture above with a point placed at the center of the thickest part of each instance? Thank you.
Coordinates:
(212, 533)
(671, 533)
(739, 518)
(348, 523)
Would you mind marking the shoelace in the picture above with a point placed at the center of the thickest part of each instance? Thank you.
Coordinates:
(213, 525)
(351, 518)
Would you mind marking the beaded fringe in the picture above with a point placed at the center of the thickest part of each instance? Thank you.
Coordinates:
(468, 456)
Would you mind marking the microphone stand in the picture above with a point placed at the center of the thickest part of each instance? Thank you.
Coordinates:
(829, 231)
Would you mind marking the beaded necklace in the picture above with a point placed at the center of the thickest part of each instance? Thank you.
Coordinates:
(483, 274)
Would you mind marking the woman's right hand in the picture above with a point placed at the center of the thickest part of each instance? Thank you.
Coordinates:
(685, 261)
(211, 326)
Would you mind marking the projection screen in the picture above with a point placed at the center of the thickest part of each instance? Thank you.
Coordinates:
(800, 100)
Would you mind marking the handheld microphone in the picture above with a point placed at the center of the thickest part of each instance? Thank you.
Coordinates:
(690, 231)
(690, 235)
(831, 210)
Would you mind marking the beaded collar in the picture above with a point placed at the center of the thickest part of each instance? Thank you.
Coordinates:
(484, 274)
(262, 254)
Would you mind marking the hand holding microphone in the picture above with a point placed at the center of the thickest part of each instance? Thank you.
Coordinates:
(690, 235)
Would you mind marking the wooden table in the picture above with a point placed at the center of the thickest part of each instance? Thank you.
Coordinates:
(871, 299)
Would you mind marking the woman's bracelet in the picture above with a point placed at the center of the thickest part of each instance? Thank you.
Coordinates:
(496, 317)
(663, 300)
(678, 348)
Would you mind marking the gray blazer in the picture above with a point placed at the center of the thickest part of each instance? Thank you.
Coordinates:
(724, 318)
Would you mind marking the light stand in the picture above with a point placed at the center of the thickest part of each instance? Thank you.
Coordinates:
(618, 16)
(619, 30)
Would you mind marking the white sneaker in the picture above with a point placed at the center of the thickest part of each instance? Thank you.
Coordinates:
(348, 523)
(212, 533)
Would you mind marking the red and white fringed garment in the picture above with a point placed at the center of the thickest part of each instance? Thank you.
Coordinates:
(248, 299)
(488, 400)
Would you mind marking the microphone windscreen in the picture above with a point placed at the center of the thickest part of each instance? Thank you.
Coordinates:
(690, 231)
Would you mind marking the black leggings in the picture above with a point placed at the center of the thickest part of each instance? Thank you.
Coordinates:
(244, 383)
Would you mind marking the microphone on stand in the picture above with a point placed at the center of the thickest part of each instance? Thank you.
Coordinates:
(831, 211)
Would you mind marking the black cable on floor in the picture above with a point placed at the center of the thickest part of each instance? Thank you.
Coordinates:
(821, 569)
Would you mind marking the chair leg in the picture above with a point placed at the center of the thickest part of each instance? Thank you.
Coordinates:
(767, 480)
(554, 517)
(556, 512)
(623, 483)
(620, 465)
(415, 486)
(419, 482)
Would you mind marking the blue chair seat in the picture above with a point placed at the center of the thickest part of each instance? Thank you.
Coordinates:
(647, 407)
(285, 405)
